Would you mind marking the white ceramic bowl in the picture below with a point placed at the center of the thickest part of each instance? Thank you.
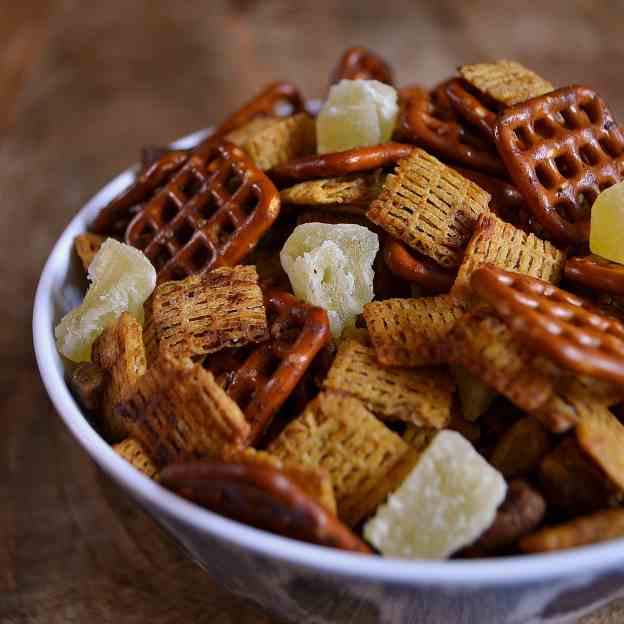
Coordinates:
(306, 583)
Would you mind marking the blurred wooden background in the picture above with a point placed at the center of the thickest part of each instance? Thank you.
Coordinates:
(83, 85)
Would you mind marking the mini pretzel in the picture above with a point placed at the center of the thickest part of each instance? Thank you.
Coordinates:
(597, 273)
(471, 109)
(429, 125)
(210, 214)
(262, 496)
(261, 379)
(339, 163)
(262, 104)
(359, 63)
(562, 326)
(561, 150)
(113, 218)
(414, 267)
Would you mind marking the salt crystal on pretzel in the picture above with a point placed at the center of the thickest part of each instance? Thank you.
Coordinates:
(208, 312)
(412, 332)
(562, 326)
(448, 500)
(598, 527)
(484, 345)
(313, 480)
(422, 396)
(132, 451)
(283, 140)
(365, 460)
(261, 496)
(179, 411)
(430, 207)
(119, 351)
(572, 483)
(87, 245)
(506, 82)
(503, 245)
(351, 191)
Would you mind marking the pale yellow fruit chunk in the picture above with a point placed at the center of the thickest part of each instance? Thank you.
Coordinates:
(475, 396)
(448, 500)
(357, 113)
(331, 266)
(122, 278)
(606, 237)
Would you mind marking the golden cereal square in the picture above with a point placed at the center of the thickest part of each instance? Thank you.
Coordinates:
(422, 396)
(365, 460)
(507, 82)
(505, 246)
(430, 206)
(412, 332)
(132, 451)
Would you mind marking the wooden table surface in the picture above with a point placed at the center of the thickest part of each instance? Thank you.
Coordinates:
(83, 85)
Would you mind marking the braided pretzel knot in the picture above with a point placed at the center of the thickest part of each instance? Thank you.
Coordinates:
(565, 327)
(262, 496)
(414, 267)
(360, 63)
(210, 214)
(426, 121)
(260, 378)
(561, 150)
(339, 163)
(264, 103)
(114, 217)
(597, 273)
(471, 109)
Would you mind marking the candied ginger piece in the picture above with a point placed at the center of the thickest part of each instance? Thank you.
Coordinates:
(357, 113)
(606, 237)
(447, 501)
(122, 278)
(331, 266)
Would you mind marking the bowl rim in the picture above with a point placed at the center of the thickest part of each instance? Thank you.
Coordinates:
(497, 571)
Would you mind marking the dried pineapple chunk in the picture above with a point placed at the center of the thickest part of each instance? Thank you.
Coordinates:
(448, 500)
(122, 278)
(331, 266)
(357, 113)
(606, 237)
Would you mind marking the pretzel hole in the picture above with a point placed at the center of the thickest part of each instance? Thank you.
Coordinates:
(570, 119)
(160, 257)
(592, 110)
(145, 237)
(226, 231)
(566, 165)
(523, 137)
(544, 127)
(545, 176)
(249, 203)
(564, 210)
(178, 273)
(201, 257)
(234, 183)
(610, 147)
(184, 233)
(169, 210)
(192, 186)
(208, 207)
(589, 154)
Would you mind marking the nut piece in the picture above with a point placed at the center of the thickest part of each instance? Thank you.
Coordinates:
(87, 382)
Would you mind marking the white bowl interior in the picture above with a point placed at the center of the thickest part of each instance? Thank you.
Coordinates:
(59, 289)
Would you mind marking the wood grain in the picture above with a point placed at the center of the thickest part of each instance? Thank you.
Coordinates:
(83, 85)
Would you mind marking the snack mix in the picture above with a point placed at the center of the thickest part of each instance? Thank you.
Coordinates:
(395, 327)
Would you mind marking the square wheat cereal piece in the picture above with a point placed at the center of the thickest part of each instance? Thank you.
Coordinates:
(601, 436)
(598, 527)
(313, 480)
(430, 206)
(364, 459)
(499, 243)
(208, 312)
(352, 190)
(245, 133)
(574, 398)
(484, 345)
(572, 483)
(132, 451)
(86, 246)
(412, 332)
(285, 139)
(119, 351)
(179, 412)
(422, 396)
(507, 82)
